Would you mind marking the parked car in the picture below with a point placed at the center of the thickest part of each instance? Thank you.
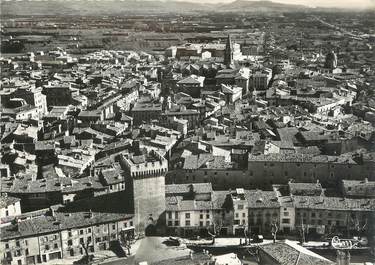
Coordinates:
(258, 239)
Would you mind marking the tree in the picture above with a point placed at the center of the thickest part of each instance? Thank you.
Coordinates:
(87, 258)
(85, 247)
(274, 230)
(216, 227)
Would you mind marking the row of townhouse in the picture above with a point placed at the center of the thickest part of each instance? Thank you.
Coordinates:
(195, 209)
(58, 235)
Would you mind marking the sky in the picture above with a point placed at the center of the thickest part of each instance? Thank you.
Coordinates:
(356, 4)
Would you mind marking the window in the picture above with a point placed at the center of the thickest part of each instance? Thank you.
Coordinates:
(55, 245)
(236, 215)
(70, 242)
(47, 247)
(170, 223)
(286, 213)
(187, 223)
(240, 207)
(285, 221)
(176, 223)
(201, 216)
(208, 223)
(201, 223)
(313, 215)
(207, 216)
(131, 223)
(27, 252)
(89, 230)
(187, 215)
(81, 232)
(81, 241)
(17, 243)
(26, 242)
(89, 239)
(170, 215)
(113, 227)
(243, 214)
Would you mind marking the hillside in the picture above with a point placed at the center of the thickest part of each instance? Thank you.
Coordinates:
(260, 6)
(104, 7)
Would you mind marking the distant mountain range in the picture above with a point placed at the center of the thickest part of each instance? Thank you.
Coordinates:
(261, 6)
(121, 7)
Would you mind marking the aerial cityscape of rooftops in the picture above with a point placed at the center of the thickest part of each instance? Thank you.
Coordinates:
(199, 133)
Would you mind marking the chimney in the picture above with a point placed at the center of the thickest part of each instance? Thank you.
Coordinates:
(136, 147)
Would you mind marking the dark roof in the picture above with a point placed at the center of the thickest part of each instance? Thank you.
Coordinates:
(303, 158)
(60, 221)
(195, 259)
(62, 184)
(285, 253)
(305, 188)
(7, 200)
(333, 203)
(262, 199)
(178, 203)
(186, 188)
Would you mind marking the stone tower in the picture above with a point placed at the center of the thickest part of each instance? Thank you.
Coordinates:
(228, 53)
(146, 183)
(331, 60)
